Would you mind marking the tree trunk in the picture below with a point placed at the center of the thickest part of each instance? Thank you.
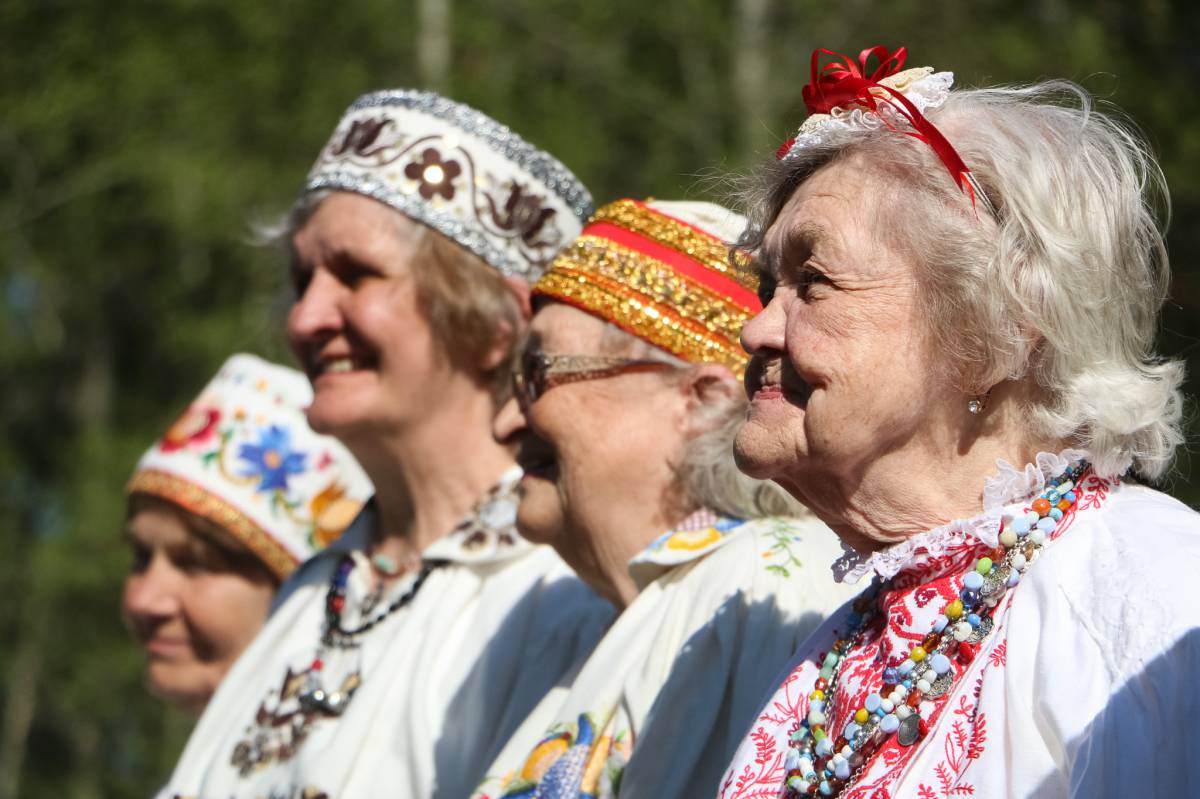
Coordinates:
(433, 43)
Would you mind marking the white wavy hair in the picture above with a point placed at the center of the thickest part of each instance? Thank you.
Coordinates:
(705, 473)
(1064, 284)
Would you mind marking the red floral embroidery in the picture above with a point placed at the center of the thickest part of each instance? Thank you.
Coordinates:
(958, 727)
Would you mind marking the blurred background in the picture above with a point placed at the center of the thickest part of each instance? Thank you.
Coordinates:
(140, 139)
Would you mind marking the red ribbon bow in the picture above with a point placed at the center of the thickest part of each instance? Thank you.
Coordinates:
(843, 83)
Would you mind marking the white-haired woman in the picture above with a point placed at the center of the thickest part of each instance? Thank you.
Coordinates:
(398, 660)
(626, 406)
(980, 292)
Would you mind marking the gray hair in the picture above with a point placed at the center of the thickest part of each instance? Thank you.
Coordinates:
(1063, 284)
(705, 473)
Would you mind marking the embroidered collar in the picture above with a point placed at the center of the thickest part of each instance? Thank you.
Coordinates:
(1007, 486)
(488, 534)
(699, 534)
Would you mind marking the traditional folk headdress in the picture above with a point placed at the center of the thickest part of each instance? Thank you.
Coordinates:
(845, 95)
(663, 272)
(458, 171)
(243, 456)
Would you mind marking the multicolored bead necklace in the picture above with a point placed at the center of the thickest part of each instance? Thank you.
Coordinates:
(819, 765)
(315, 696)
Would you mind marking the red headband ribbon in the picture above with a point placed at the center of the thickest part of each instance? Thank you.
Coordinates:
(842, 83)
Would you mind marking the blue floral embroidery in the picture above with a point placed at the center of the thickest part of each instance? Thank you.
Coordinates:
(272, 458)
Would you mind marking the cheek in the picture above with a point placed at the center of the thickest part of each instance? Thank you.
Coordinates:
(225, 612)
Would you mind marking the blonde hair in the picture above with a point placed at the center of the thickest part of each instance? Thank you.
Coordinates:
(467, 302)
(1063, 285)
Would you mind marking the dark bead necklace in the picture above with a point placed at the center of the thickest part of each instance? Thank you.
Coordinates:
(335, 602)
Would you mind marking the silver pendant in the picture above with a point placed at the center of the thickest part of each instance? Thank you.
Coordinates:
(995, 582)
(910, 730)
(982, 631)
(940, 686)
(330, 703)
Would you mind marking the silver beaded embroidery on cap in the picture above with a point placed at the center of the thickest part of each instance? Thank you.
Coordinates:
(539, 163)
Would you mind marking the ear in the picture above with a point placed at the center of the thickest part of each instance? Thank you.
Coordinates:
(521, 292)
(708, 385)
(506, 335)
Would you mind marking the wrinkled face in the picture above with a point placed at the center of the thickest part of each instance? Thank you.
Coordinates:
(191, 606)
(356, 327)
(841, 372)
(597, 453)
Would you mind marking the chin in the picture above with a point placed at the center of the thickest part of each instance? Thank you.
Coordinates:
(189, 693)
(536, 520)
(342, 420)
(753, 455)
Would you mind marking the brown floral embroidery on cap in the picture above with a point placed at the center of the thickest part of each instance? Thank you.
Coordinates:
(435, 176)
(362, 135)
(523, 213)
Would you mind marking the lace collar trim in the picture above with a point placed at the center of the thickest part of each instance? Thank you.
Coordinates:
(1007, 486)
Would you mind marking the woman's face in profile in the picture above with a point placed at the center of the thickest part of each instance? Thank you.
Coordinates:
(192, 605)
(356, 327)
(842, 370)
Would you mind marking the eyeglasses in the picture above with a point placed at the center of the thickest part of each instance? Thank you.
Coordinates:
(535, 373)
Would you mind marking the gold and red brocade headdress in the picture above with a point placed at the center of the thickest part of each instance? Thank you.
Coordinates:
(662, 271)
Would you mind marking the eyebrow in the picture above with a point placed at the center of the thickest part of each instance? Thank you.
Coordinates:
(803, 237)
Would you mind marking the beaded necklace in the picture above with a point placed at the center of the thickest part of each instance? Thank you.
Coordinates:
(316, 697)
(818, 764)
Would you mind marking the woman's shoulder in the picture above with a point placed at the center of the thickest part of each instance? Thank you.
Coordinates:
(1123, 572)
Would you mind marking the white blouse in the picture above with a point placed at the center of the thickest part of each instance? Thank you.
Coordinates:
(661, 704)
(1086, 686)
(434, 687)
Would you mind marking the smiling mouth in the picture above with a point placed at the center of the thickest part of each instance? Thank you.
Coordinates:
(165, 647)
(767, 380)
(536, 459)
(338, 365)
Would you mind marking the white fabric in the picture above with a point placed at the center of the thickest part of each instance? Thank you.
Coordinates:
(664, 699)
(445, 679)
(1085, 688)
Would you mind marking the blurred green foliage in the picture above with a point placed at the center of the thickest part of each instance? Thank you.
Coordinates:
(139, 138)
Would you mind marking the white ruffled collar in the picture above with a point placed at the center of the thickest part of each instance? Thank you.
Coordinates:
(1007, 486)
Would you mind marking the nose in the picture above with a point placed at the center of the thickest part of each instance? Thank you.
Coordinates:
(763, 334)
(509, 423)
(316, 313)
(152, 594)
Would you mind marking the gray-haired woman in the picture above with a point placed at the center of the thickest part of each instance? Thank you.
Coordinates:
(627, 403)
(983, 290)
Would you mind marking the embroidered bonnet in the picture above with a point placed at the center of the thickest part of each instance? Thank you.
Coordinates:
(243, 457)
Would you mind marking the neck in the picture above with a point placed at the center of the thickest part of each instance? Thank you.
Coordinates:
(609, 552)
(922, 485)
(428, 475)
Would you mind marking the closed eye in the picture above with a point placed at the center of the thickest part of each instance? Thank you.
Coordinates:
(766, 287)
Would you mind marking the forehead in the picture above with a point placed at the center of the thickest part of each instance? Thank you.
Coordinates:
(560, 327)
(153, 524)
(834, 210)
(345, 221)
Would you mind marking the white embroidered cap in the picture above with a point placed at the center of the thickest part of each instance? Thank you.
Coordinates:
(243, 456)
(461, 173)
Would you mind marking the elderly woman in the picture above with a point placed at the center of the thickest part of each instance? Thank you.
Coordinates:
(397, 661)
(626, 406)
(222, 508)
(958, 281)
